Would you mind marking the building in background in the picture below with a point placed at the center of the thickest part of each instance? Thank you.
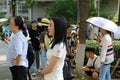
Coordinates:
(28, 13)
(4, 9)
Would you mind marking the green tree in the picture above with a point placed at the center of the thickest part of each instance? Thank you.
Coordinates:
(66, 8)
(69, 9)
(92, 9)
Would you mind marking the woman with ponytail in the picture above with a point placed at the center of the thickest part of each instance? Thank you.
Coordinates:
(17, 50)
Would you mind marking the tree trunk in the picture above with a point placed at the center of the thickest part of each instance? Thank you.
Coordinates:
(13, 8)
(118, 12)
(78, 10)
(84, 8)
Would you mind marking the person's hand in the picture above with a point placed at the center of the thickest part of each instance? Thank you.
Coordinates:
(85, 68)
(42, 45)
(75, 51)
(102, 62)
(7, 40)
(41, 76)
(14, 62)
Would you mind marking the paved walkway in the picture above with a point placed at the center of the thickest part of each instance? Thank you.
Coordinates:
(4, 69)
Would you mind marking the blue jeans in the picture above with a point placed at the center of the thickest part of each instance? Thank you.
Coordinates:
(105, 72)
(36, 63)
(43, 58)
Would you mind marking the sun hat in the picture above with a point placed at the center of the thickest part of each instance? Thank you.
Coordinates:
(44, 22)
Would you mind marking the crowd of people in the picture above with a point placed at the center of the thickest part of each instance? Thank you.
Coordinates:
(42, 47)
(48, 46)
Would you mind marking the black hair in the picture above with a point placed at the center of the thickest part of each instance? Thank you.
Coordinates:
(68, 25)
(39, 19)
(60, 26)
(44, 28)
(89, 49)
(19, 22)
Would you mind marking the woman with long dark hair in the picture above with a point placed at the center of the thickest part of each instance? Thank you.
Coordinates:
(17, 50)
(57, 52)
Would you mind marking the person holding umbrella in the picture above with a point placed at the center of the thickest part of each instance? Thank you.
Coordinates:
(106, 55)
(105, 45)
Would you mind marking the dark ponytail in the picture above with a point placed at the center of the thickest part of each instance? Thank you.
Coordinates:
(19, 22)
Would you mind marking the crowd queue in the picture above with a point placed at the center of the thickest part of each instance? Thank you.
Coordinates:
(48, 47)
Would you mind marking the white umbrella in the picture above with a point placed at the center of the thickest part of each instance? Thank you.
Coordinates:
(103, 23)
(3, 19)
(118, 30)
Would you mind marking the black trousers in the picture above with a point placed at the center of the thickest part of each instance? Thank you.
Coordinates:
(18, 72)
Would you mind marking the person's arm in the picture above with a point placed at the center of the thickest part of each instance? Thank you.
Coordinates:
(42, 45)
(16, 61)
(57, 54)
(91, 34)
(85, 68)
(19, 51)
(94, 70)
(103, 50)
(54, 60)
(76, 46)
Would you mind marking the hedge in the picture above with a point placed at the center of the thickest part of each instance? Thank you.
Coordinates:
(116, 47)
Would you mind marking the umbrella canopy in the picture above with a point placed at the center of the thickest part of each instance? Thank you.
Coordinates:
(118, 30)
(103, 23)
(3, 19)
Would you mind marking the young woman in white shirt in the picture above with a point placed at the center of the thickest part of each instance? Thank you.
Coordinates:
(57, 52)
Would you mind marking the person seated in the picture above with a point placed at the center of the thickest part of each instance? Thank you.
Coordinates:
(93, 64)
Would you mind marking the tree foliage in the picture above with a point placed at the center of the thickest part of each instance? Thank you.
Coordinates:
(92, 10)
(29, 3)
(66, 8)
(13, 3)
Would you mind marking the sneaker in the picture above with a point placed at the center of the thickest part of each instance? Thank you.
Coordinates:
(34, 74)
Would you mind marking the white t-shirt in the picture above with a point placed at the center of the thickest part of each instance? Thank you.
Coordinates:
(58, 50)
(18, 46)
(96, 63)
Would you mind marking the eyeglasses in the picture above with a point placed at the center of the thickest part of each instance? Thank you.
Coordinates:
(11, 24)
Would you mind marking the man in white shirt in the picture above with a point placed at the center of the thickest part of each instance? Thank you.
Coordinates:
(93, 64)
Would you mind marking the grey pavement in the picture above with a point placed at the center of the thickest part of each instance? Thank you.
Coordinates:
(4, 69)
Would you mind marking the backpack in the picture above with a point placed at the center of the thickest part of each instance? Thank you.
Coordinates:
(68, 73)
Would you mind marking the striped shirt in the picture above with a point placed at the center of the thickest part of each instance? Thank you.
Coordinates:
(106, 49)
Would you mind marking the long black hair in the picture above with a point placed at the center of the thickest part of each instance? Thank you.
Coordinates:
(19, 22)
(60, 26)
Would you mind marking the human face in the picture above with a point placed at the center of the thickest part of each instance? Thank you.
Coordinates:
(69, 31)
(51, 28)
(12, 26)
(34, 25)
(89, 54)
(103, 31)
